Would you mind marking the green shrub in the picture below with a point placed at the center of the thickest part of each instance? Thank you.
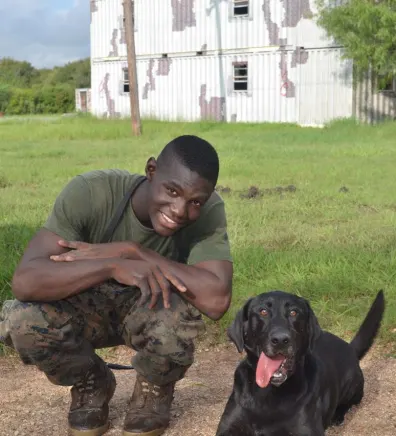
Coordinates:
(5, 95)
(21, 102)
(38, 100)
(54, 99)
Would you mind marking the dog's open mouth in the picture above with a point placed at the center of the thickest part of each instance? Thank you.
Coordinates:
(271, 370)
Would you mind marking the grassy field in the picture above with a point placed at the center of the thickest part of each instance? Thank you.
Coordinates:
(332, 240)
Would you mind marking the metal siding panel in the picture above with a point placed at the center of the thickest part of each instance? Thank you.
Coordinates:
(310, 88)
(105, 20)
(188, 26)
(373, 106)
(325, 88)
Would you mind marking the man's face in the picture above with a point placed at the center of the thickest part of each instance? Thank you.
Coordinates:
(177, 195)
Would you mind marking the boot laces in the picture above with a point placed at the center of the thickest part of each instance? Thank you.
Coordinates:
(150, 388)
(85, 388)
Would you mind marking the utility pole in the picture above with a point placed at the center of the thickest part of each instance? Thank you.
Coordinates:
(129, 17)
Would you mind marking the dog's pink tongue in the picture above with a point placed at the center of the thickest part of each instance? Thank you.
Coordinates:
(266, 368)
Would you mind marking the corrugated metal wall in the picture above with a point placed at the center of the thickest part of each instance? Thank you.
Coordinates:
(325, 86)
(188, 26)
(307, 87)
(371, 106)
(307, 83)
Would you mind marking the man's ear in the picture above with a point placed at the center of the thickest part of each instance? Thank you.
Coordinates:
(151, 167)
(236, 331)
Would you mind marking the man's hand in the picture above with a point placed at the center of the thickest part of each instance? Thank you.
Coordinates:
(85, 251)
(150, 279)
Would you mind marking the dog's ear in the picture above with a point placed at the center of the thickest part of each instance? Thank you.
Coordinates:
(314, 329)
(236, 331)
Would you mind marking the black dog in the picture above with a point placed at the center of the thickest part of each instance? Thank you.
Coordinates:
(296, 379)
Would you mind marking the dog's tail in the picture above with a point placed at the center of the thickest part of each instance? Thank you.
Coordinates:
(364, 338)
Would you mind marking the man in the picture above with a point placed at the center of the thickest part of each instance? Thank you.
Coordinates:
(144, 285)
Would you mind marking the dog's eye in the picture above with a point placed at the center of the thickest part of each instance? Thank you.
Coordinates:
(264, 312)
(293, 313)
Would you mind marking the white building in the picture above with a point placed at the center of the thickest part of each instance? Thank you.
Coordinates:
(228, 60)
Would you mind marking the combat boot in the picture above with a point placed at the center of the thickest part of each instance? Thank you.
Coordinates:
(89, 410)
(149, 409)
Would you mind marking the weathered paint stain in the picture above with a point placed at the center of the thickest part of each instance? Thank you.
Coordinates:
(212, 110)
(213, 4)
(234, 118)
(288, 88)
(150, 84)
(104, 88)
(295, 11)
(183, 15)
(164, 65)
(122, 30)
(94, 7)
(299, 56)
(114, 44)
(272, 27)
(204, 47)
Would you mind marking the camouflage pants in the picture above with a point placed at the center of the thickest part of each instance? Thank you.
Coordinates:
(60, 337)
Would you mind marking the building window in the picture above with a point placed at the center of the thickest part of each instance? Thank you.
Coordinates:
(240, 76)
(241, 8)
(125, 80)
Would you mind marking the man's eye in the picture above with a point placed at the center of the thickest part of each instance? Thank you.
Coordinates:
(171, 191)
(196, 203)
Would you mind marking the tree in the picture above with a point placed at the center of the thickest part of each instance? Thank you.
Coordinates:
(367, 31)
(27, 90)
(76, 73)
(17, 73)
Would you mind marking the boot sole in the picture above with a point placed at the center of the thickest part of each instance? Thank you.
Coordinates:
(89, 432)
(156, 432)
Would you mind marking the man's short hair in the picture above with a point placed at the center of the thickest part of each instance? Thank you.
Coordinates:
(193, 152)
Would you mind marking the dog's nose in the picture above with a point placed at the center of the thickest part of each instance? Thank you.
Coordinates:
(280, 338)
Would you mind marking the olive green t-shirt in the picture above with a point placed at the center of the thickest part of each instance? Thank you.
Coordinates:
(85, 206)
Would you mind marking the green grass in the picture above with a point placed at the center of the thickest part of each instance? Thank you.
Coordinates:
(335, 248)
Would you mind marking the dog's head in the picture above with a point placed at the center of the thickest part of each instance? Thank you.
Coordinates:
(276, 329)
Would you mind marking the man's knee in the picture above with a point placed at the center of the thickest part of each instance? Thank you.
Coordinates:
(36, 325)
(165, 332)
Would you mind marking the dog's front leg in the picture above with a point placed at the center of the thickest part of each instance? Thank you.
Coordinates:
(234, 421)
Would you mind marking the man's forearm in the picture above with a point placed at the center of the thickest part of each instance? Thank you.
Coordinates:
(46, 280)
(205, 290)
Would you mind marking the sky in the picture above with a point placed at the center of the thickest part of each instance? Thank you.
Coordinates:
(44, 32)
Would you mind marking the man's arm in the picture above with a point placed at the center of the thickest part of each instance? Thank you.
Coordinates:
(208, 283)
(37, 277)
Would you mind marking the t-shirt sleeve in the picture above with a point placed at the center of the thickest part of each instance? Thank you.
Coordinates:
(71, 212)
(209, 240)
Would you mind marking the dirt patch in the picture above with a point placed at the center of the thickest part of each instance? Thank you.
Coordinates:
(255, 192)
(366, 208)
(252, 192)
(29, 404)
(223, 189)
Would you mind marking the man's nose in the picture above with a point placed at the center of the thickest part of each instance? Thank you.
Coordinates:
(179, 209)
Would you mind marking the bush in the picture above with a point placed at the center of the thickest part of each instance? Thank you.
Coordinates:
(54, 99)
(38, 100)
(21, 102)
(5, 95)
